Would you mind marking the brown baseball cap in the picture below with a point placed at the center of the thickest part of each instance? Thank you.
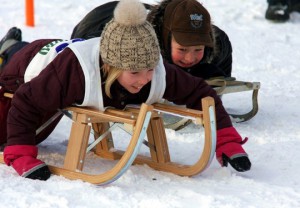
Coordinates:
(189, 22)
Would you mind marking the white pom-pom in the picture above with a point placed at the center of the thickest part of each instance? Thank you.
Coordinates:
(130, 12)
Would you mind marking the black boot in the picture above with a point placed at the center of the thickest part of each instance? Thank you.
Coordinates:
(14, 34)
(294, 5)
(278, 12)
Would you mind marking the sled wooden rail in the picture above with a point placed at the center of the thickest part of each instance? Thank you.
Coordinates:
(147, 120)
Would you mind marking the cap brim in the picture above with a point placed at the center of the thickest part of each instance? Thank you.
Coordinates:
(190, 39)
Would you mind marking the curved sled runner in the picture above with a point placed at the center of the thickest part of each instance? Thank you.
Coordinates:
(144, 120)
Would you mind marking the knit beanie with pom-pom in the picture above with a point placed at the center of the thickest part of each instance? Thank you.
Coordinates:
(128, 41)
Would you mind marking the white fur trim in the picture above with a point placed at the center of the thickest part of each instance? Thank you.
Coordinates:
(130, 13)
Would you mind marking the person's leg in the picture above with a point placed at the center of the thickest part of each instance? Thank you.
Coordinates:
(278, 10)
(4, 108)
(13, 33)
(10, 44)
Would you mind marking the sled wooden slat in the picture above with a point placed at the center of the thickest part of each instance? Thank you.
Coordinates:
(178, 110)
(95, 116)
(106, 143)
(157, 138)
(8, 95)
(77, 145)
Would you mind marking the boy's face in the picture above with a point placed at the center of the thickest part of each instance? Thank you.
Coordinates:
(186, 56)
(134, 81)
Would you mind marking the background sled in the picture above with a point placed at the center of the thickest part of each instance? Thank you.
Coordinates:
(228, 85)
(144, 120)
(223, 85)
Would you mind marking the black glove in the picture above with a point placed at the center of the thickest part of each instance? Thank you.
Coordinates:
(240, 164)
(42, 174)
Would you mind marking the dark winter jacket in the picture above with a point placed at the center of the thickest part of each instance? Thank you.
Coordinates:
(220, 55)
(93, 23)
(62, 84)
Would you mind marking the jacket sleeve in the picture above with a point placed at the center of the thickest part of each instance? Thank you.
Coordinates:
(223, 58)
(185, 89)
(59, 85)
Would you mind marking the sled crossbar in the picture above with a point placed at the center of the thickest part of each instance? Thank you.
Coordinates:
(144, 121)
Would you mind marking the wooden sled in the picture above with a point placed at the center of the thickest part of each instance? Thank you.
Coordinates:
(145, 120)
(224, 86)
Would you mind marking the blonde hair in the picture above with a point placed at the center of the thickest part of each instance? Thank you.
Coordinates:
(111, 73)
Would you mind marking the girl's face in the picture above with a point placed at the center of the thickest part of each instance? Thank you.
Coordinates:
(186, 56)
(133, 81)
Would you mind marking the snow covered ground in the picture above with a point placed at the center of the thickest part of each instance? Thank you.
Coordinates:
(263, 51)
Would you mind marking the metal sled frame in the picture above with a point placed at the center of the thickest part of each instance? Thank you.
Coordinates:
(231, 85)
(145, 120)
(225, 86)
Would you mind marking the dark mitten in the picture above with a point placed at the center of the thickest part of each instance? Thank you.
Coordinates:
(229, 149)
(23, 159)
(240, 163)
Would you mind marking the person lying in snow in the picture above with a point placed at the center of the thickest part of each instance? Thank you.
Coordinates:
(186, 35)
(121, 67)
(280, 10)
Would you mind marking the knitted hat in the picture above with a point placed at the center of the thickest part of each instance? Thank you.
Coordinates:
(129, 41)
(189, 22)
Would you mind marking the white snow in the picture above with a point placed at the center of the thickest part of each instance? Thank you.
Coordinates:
(264, 51)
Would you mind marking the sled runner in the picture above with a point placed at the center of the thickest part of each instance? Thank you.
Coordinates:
(223, 86)
(145, 120)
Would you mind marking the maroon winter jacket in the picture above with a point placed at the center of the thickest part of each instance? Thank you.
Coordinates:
(62, 84)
